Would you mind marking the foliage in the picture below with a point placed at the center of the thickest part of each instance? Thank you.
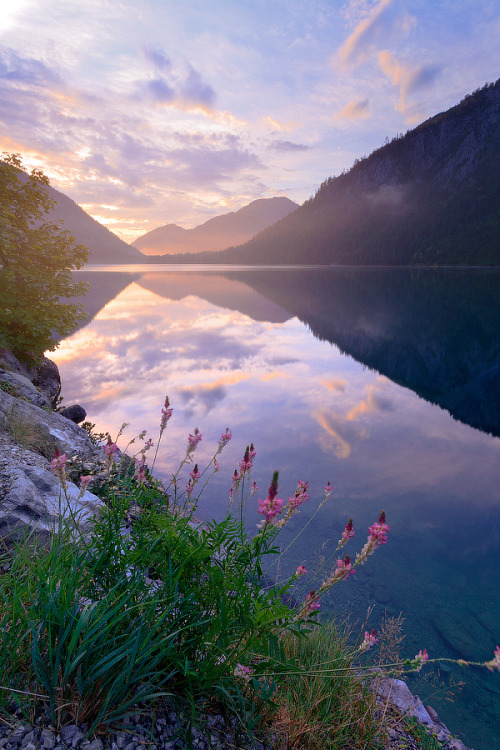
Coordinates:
(324, 703)
(36, 260)
(148, 603)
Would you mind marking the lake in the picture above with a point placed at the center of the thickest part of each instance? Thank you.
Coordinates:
(385, 382)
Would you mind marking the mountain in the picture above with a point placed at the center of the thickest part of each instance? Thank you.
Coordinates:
(431, 196)
(105, 247)
(218, 233)
(434, 330)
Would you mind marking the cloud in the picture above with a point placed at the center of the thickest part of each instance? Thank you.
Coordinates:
(288, 146)
(159, 91)
(270, 122)
(335, 384)
(340, 433)
(25, 70)
(195, 91)
(407, 79)
(157, 57)
(374, 402)
(186, 91)
(362, 40)
(353, 111)
(209, 394)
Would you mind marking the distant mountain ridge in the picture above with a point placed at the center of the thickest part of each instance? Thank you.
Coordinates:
(217, 233)
(429, 197)
(104, 246)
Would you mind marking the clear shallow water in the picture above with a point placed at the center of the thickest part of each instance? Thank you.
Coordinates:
(303, 362)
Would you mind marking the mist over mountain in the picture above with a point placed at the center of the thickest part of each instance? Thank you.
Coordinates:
(431, 196)
(214, 235)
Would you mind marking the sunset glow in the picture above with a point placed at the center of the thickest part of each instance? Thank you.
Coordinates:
(178, 112)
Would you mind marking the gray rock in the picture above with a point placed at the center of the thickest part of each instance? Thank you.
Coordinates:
(96, 744)
(75, 413)
(35, 501)
(29, 737)
(69, 732)
(22, 387)
(46, 377)
(48, 739)
(50, 426)
(398, 693)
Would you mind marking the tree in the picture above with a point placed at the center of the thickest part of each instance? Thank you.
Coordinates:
(36, 261)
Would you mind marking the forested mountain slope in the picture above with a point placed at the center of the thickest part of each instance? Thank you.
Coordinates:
(429, 197)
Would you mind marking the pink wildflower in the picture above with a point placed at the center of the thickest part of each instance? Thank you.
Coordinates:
(379, 530)
(272, 505)
(166, 413)
(254, 489)
(347, 534)
(236, 479)
(147, 445)
(495, 662)
(58, 465)
(418, 662)
(344, 568)
(312, 602)
(301, 495)
(194, 476)
(241, 670)
(85, 481)
(193, 440)
(110, 449)
(58, 462)
(216, 465)
(342, 571)
(246, 462)
(224, 439)
(301, 570)
(253, 452)
(369, 640)
(140, 470)
(377, 535)
(328, 490)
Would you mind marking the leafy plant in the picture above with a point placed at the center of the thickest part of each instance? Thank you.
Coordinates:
(36, 260)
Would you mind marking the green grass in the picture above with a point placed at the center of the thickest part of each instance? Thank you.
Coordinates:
(92, 628)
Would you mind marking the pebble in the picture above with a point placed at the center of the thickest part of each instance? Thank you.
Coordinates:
(143, 732)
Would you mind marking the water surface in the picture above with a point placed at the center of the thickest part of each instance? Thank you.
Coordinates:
(384, 382)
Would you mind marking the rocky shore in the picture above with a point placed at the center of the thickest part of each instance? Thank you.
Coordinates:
(30, 432)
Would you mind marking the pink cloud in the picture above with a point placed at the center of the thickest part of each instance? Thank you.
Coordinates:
(353, 111)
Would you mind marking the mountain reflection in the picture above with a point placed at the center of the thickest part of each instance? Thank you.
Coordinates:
(436, 332)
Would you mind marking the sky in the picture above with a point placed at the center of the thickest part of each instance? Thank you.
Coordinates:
(153, 112)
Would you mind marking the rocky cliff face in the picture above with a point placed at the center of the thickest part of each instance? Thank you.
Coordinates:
(31, 496)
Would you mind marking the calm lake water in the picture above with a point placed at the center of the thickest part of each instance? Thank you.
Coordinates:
(384, 382)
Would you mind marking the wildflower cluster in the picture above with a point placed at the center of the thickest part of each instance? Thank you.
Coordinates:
(193, 479)
(377, 535)
(369, 640)
(58, 466)
(495, 662)
(241, 634)
(246, 462)
(272, 505)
